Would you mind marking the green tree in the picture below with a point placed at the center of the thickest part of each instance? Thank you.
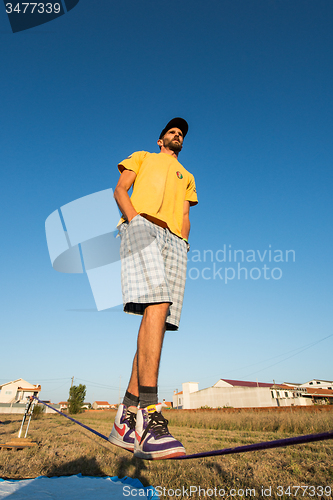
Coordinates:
(77, 394)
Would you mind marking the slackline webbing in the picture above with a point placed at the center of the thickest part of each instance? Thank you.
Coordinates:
(266, 445)
(73, 419)
(279, 443)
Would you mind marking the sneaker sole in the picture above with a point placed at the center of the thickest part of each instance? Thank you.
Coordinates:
(159, 455)
(118, 442)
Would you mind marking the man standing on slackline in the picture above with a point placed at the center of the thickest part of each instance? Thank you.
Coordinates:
(154, 232)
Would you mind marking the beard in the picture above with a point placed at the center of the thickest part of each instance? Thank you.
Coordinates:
(173, 145)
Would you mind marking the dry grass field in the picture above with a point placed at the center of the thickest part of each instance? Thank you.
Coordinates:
(301, 471)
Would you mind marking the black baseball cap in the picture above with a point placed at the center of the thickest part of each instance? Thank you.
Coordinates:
(178, 123)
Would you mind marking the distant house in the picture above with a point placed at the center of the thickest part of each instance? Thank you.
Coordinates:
(15, 395)
(318, 391)
(18, 391)
(178, 400)
(167, 404)
(322, 384)
(101, 405)
(64, 405)
(239, 394)
(319, 395)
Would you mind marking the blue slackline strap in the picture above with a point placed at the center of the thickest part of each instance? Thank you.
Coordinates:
(261, 446)
(73, 419)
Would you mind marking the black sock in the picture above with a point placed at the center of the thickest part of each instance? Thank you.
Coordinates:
(148, 396)
(130, 400)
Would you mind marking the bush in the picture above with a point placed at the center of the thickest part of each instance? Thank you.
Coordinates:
(38, 411)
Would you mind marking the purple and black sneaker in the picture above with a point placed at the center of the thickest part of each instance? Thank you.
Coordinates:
(153, 440)
(123, 429)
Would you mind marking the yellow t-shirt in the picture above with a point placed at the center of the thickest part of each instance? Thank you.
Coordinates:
(160, 188)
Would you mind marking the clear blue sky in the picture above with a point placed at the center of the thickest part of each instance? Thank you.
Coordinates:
(254, 80)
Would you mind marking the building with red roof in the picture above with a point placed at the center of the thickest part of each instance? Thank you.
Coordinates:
(247, 394)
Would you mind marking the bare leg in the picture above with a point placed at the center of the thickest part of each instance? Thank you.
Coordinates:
(149, 422)
(150, 340)
(133, 385)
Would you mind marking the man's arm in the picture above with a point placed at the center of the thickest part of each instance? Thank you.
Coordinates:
(121, 196)
(186, 220)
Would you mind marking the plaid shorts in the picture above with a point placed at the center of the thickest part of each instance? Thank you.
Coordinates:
(153, 268)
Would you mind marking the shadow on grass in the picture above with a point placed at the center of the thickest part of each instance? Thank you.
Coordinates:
(126, 466)
(216, 469)
(132, 467)
(230, 478)
(85, 466)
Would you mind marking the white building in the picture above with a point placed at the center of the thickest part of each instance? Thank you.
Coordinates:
(15, 395)
(101, 405)
(319, 384)
(177, 401)
(238, 394)
(18, 391)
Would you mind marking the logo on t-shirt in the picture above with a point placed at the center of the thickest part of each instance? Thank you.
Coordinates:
(179, 175)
